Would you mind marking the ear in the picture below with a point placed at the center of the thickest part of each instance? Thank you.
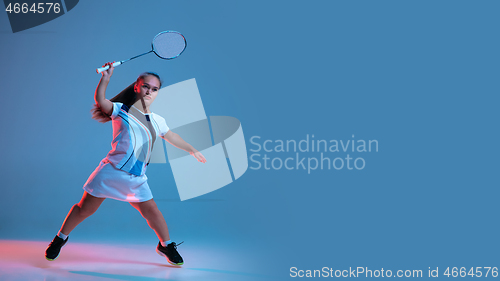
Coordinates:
(136, 87)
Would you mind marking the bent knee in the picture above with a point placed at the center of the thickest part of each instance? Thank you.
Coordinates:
(85, 210)
(151, 214)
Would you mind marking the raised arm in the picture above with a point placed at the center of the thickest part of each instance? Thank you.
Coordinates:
(178, 142)
(100, 93)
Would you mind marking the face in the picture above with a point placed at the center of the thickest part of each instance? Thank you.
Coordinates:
(147, 89)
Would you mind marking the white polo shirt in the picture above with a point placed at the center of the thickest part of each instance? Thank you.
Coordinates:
(134, 134)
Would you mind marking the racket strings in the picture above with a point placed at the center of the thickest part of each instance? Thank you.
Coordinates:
(169, 45)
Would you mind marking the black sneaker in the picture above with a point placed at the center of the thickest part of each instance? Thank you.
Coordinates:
(54, 248)
(170, 252)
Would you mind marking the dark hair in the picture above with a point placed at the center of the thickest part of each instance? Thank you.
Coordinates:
(127, 97)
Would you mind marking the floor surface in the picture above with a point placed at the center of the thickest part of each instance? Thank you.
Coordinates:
(24, 260)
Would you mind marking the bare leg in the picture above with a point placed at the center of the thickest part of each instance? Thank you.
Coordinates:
(86, 207)
(150, 212)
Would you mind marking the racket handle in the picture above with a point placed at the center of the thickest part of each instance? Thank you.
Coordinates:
(101, 69)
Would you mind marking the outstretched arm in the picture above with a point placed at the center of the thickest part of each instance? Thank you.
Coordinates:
(100, 93)
(178, 142)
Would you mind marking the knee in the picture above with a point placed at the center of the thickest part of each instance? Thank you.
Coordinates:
(151, 214)
(85, 211)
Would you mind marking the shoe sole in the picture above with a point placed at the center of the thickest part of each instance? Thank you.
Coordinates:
(163, 255)
(51, 259)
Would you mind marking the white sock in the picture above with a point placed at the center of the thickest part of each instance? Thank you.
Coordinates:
(62, 235)
(164, 244)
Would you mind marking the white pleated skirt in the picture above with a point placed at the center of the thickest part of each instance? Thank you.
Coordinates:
(109, 182)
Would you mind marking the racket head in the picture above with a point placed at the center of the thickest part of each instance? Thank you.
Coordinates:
(169, 44)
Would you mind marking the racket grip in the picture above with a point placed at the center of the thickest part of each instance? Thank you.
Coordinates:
(101, 69)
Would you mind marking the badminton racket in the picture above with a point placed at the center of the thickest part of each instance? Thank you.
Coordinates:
(166, 45)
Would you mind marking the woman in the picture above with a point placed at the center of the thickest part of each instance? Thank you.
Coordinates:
(121, 175)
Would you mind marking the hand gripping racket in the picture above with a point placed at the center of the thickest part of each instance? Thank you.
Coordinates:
(166, 45)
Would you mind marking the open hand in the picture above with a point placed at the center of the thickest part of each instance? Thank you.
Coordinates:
(199, 156)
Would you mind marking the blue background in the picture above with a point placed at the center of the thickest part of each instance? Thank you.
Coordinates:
(421, 77)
